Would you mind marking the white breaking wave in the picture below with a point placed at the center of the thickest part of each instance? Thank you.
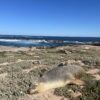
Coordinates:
(10, 40)
(18, 40)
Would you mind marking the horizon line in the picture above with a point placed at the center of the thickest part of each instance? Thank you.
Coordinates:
(47, 35)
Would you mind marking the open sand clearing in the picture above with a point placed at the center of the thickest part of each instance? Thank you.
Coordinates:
(21, 67)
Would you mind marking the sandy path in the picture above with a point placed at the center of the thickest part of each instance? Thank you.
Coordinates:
(48, 95)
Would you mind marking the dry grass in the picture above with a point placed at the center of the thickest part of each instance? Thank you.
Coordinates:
(21, 74)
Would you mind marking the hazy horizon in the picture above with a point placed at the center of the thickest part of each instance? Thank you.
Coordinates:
(46, 35)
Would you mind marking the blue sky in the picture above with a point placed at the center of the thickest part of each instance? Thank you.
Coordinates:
(50, 17)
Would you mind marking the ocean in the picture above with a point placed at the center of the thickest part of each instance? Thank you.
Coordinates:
(51, 41)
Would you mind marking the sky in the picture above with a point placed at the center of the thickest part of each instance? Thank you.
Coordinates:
(50, 17)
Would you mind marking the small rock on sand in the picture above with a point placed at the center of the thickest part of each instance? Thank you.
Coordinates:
(36, 62)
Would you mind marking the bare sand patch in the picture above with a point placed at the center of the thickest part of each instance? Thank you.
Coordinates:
(93, 71)
(27, 70)
(5, 63)
(17, 61)
(96, 77)
(3, 75)
(33, 68)
(20, 60)
(48, 95)
(13, 49)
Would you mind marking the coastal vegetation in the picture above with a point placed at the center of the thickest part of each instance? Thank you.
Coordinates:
(21, 68)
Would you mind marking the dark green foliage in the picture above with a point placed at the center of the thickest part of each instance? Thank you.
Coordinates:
(91, 91)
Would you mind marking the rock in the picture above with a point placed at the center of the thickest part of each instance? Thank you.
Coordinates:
(36, 62)
(62, 64)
